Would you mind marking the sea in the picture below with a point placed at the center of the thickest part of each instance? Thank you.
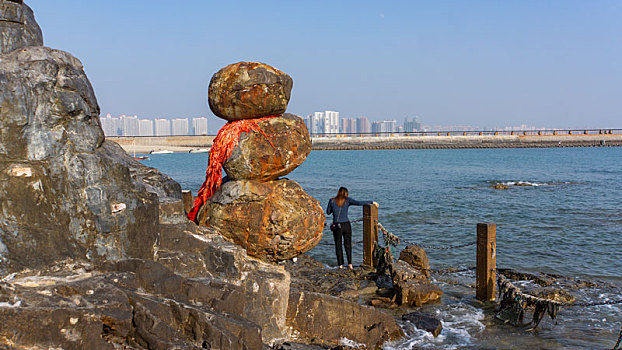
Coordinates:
(560, 214)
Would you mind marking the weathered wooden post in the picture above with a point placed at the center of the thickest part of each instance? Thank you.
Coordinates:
(486, 276)
(186, 197)
(370, 233)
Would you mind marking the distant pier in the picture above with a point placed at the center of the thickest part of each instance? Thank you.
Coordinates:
(418, 140)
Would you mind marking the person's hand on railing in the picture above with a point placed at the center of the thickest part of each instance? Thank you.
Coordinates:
(376, 204)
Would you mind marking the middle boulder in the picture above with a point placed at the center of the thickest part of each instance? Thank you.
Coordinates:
(259, 158)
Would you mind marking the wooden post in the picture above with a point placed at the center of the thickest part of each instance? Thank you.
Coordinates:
(486, 276)
(188, 200)
(370, 233)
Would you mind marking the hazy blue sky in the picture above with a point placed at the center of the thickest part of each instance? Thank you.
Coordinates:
(483, 63)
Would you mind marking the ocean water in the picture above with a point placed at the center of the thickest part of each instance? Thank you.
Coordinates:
(562, 214)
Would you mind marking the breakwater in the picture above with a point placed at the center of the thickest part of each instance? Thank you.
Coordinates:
(428, 140)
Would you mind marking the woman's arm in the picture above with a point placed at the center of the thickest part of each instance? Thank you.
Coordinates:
(355, 202)
(329, 208)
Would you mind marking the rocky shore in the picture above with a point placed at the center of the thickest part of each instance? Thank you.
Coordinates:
(96, 251)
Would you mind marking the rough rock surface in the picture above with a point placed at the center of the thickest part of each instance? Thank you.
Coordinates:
(18, 27)
(256, 159)
(416, 257)
(315, 315)
(137, 304)
(240, 286)
(247, 90)
(273, 220)
(65, 194)
(412, 286)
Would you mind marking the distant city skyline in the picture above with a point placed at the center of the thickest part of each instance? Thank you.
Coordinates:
(125, 125)
(488, 63)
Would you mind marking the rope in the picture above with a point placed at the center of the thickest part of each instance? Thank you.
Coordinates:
(441, 247)
(616, 347)
(452, 270)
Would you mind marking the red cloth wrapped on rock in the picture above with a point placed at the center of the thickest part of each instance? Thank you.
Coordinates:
(224, 143)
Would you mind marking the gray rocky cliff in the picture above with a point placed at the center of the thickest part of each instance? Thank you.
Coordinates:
(18, 27)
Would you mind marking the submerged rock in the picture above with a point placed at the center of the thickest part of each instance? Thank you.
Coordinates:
(273, 220)
(425, 322)
(256, 159)
(247, 90)
(18, 27)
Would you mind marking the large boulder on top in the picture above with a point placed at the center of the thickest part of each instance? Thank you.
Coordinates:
(65, 194)
(256, 159)
(247, 90)
(18, 27)
(273, 220)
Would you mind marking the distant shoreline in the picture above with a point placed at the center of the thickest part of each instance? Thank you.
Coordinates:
(185, 144)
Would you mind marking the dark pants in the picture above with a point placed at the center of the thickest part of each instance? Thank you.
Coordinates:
(346, 232)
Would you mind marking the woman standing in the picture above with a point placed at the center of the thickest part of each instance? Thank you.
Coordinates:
(338, 206)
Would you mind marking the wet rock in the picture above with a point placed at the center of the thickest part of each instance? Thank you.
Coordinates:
(425, 322)
(273, 220)
(500, 187)
(331, 319)
(256, 159)
(416, 257)
(555, 294)
(411, 286)
(247, 90)
(65, 195)
(18, 27)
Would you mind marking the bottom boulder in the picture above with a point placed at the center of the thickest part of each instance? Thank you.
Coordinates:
(274, 220)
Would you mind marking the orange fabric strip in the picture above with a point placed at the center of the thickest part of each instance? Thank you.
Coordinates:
(224, 143)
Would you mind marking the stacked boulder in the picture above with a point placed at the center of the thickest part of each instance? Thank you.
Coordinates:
(271, 217)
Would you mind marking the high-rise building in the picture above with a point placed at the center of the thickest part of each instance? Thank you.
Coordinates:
(412, 125)
(111, 126)
(363, 125)
(162, 127)
(199, 126)
(384, 126)
(179, 127)
(130, 125)
(145, 127)
(348, 125)
(331, 122)
(315, 123)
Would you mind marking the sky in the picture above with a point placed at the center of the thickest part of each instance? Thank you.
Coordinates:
(544, 63)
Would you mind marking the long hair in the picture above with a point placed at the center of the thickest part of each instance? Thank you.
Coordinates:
(341, 197)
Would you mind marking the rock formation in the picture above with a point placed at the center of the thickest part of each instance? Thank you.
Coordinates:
(18, 27)
(256, 159)
(272, 218)
(96, 252)
(410, 275)
(247, 90)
